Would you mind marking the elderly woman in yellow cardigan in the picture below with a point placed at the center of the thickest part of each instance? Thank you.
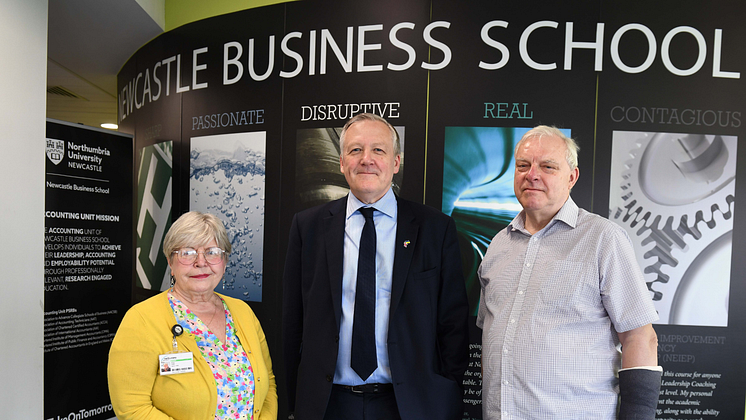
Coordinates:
(191, 353)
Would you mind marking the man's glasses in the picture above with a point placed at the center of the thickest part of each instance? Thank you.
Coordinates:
(188, 256)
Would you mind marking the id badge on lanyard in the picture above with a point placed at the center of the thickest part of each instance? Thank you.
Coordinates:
(175, 361)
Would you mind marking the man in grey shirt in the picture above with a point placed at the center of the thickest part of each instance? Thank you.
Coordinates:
(560, 291)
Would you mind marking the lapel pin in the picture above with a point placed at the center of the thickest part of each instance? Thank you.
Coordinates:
(406, 243)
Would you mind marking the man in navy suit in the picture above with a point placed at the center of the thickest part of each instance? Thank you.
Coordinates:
(421, 309)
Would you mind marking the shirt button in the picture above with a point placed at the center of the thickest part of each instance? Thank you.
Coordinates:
(505, 382)
(528, 264)
(520, 292)
(506, 351)
(512, 321)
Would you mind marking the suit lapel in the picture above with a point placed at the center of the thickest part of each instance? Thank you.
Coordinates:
(334, 231)
(407, 228)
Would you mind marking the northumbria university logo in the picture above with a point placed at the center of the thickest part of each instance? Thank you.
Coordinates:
(55, 150)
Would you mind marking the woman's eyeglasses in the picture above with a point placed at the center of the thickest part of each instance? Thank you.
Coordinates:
(188, 256)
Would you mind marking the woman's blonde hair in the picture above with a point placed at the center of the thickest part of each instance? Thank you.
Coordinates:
(195, 229)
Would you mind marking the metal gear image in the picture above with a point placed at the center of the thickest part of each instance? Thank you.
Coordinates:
(674, 194)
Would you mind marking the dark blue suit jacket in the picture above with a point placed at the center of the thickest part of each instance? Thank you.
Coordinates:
(428, 332)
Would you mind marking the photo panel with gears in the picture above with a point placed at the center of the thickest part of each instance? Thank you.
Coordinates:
(673, 193)
(669, 118)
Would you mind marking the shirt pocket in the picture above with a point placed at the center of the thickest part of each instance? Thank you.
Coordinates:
(571, 284)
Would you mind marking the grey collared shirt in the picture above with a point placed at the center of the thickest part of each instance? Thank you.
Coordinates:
(550, 308)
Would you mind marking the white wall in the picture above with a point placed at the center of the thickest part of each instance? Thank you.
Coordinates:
(23, 50)
(156, 9)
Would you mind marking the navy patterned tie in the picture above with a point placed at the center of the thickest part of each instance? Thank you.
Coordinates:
(363, 360)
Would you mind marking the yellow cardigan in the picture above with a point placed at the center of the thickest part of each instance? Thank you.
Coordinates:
(138, 391)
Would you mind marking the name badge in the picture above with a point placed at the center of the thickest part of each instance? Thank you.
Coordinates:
(173, 363)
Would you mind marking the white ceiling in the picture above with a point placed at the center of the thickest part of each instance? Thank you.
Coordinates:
(88, 42)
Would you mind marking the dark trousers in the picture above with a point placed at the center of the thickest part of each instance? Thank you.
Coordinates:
(345, 404)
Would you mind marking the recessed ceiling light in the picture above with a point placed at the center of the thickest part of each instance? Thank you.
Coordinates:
(110, 126)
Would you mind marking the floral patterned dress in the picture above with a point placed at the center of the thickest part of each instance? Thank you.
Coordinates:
(230, 366)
